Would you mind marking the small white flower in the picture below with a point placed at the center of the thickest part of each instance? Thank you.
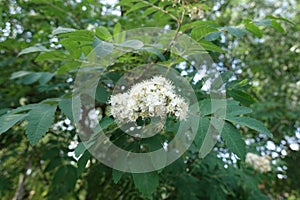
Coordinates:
(259, 163)
(150, 98)
(196, 12)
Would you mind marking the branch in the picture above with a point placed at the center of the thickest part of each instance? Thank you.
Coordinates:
(21, 183)
(18, 194)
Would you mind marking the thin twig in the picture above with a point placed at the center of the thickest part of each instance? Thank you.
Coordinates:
(22, 178)
(160, 9)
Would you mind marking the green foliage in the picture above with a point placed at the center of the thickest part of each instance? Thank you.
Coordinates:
(7, 121)
(251, 123)
(146, 182)
(36, 48)
(234, 140)
(39, 121)
(46, 42)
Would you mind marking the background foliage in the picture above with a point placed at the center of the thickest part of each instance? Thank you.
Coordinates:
(255, 45)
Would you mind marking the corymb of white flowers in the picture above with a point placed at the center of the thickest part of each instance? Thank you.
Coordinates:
(259, 163)
(155, 97)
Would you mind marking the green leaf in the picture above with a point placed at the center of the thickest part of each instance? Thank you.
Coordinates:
(199, 32)
(39, 121)
(45, 77)
(102, 48)
(234, 110)
(79, 36)
(102, 95)
(73, 47)
(52, 55)
(241, 96)
(146, 182)
(154, 51)
(66, 106)
(209, 106)
(251, 27)
(213, 36)
(137, 7)
(134, 44)
(61, 30)
(234, 140)
(64, 179)
(221, 80)
(31, 78)
(68, 67)
(149, 11)
(127, 2)
(277, 26)
(8, 120)
(80, 149)
(280, 18)
(251, 123)
(210, 46)
(264, 22)
(206, 137)
(103, 33)
(82, 162)
(36, 48)
(237, 32)
(19, 74)
(118, 35)
(158, 160)
(105, 123)
(194, 24)
(24, 108)
(117, 175)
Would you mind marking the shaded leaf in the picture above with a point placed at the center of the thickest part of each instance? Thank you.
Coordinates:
(134, 44)
(280, 18)
(81, 163)
(19, 74)
(206, 137)
(251, 27)
(52, 55)
(61, 30)
(210, 46)
(136, 7)
(234, 140)
(103, 33)
(264, 22)
(39, 121)
(102, 48)
(66, 105)
(8, 120)
(213, 36)
(33, 49)
(241, 96)
(199, 32)
(237, 32)
(146, 182)
(117, 175)
(80, 149)
(102, 95)
(64, 179)
(277, 26)
(251, 123)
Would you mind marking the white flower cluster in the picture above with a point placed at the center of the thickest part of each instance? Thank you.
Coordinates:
(259, 163)
(196, 12)
(151, 98)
